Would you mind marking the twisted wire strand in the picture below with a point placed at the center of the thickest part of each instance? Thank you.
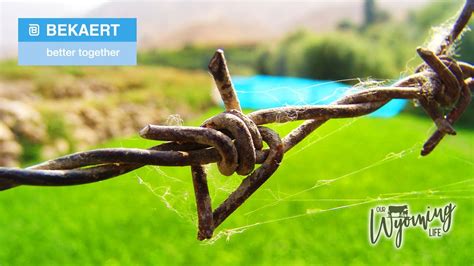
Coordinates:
(235, 140)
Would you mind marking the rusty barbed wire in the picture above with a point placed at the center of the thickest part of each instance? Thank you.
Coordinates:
(235, 140)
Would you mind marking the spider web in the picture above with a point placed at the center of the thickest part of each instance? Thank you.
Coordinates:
(173, 187)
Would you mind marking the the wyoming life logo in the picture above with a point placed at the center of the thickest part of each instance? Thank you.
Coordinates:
(391, 221)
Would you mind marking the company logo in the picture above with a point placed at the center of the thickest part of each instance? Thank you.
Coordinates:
(33, 29)
(391, 222)
(82, 29)
(77, 41)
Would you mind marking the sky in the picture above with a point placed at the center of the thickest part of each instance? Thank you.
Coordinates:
(74, 6)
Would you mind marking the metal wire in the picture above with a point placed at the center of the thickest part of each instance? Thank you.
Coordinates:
(234, 140)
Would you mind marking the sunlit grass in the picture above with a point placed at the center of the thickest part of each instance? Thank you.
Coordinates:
(121, 221)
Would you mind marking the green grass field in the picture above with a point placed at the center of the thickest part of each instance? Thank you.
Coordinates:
(152, 221)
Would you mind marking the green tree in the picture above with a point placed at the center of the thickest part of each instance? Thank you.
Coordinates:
(370, 13)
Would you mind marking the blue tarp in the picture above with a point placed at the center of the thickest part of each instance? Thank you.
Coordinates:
(261, 91)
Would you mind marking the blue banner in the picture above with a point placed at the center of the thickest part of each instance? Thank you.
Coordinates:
(77, 41)
(77, 29)
(80, 53)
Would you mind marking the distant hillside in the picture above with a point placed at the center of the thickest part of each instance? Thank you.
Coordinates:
(176, 23)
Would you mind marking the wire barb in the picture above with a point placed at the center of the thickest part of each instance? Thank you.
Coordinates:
(235, 140)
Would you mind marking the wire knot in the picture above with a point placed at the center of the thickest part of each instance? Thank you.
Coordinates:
(444, 77)
(246, 139)
(445, 92)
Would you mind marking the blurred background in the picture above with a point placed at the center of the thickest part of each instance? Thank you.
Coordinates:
(147, 217)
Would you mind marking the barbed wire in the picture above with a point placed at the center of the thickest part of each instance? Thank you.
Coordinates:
(234, 140)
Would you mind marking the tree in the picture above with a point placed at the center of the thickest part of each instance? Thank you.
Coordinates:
(370, 13)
